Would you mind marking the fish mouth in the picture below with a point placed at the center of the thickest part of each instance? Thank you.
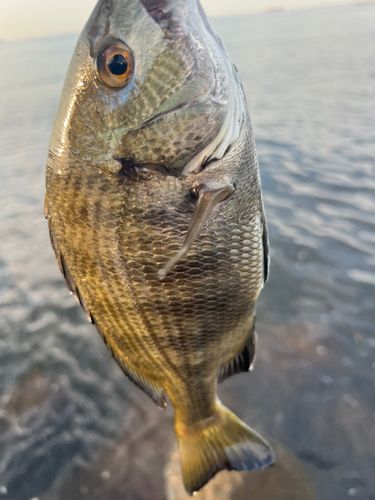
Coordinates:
(232, 119)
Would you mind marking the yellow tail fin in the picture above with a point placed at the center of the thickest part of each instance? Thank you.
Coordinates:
(221, 442)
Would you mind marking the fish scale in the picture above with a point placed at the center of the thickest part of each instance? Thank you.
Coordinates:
(167, 262)
(173, 317)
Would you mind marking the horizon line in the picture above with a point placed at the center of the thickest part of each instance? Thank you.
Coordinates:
(277, 9)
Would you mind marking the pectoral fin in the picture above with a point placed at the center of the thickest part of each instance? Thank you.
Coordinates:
(208, 199)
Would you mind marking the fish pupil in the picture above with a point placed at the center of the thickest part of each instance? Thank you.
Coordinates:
(118, 65)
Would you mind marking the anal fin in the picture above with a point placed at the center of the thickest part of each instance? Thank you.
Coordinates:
(243, 362)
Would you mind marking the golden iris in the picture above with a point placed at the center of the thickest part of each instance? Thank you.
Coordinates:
(116, 65)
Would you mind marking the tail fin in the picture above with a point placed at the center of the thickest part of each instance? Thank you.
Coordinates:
(222, 442)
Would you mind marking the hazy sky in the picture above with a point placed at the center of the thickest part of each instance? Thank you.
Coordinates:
(26, 18)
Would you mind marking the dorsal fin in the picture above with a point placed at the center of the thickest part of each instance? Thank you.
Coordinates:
(73, 288)
(153, 391)
(150, 388)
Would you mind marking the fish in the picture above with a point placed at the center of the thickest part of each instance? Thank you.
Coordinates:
(155, 213)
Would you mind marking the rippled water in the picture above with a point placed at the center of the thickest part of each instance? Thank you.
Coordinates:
(71, 425)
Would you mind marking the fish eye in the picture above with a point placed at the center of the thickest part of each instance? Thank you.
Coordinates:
(115, 65)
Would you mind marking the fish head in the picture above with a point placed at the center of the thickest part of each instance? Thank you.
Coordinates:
(149, 87)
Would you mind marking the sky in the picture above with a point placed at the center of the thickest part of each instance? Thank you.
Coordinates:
(35, 18)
